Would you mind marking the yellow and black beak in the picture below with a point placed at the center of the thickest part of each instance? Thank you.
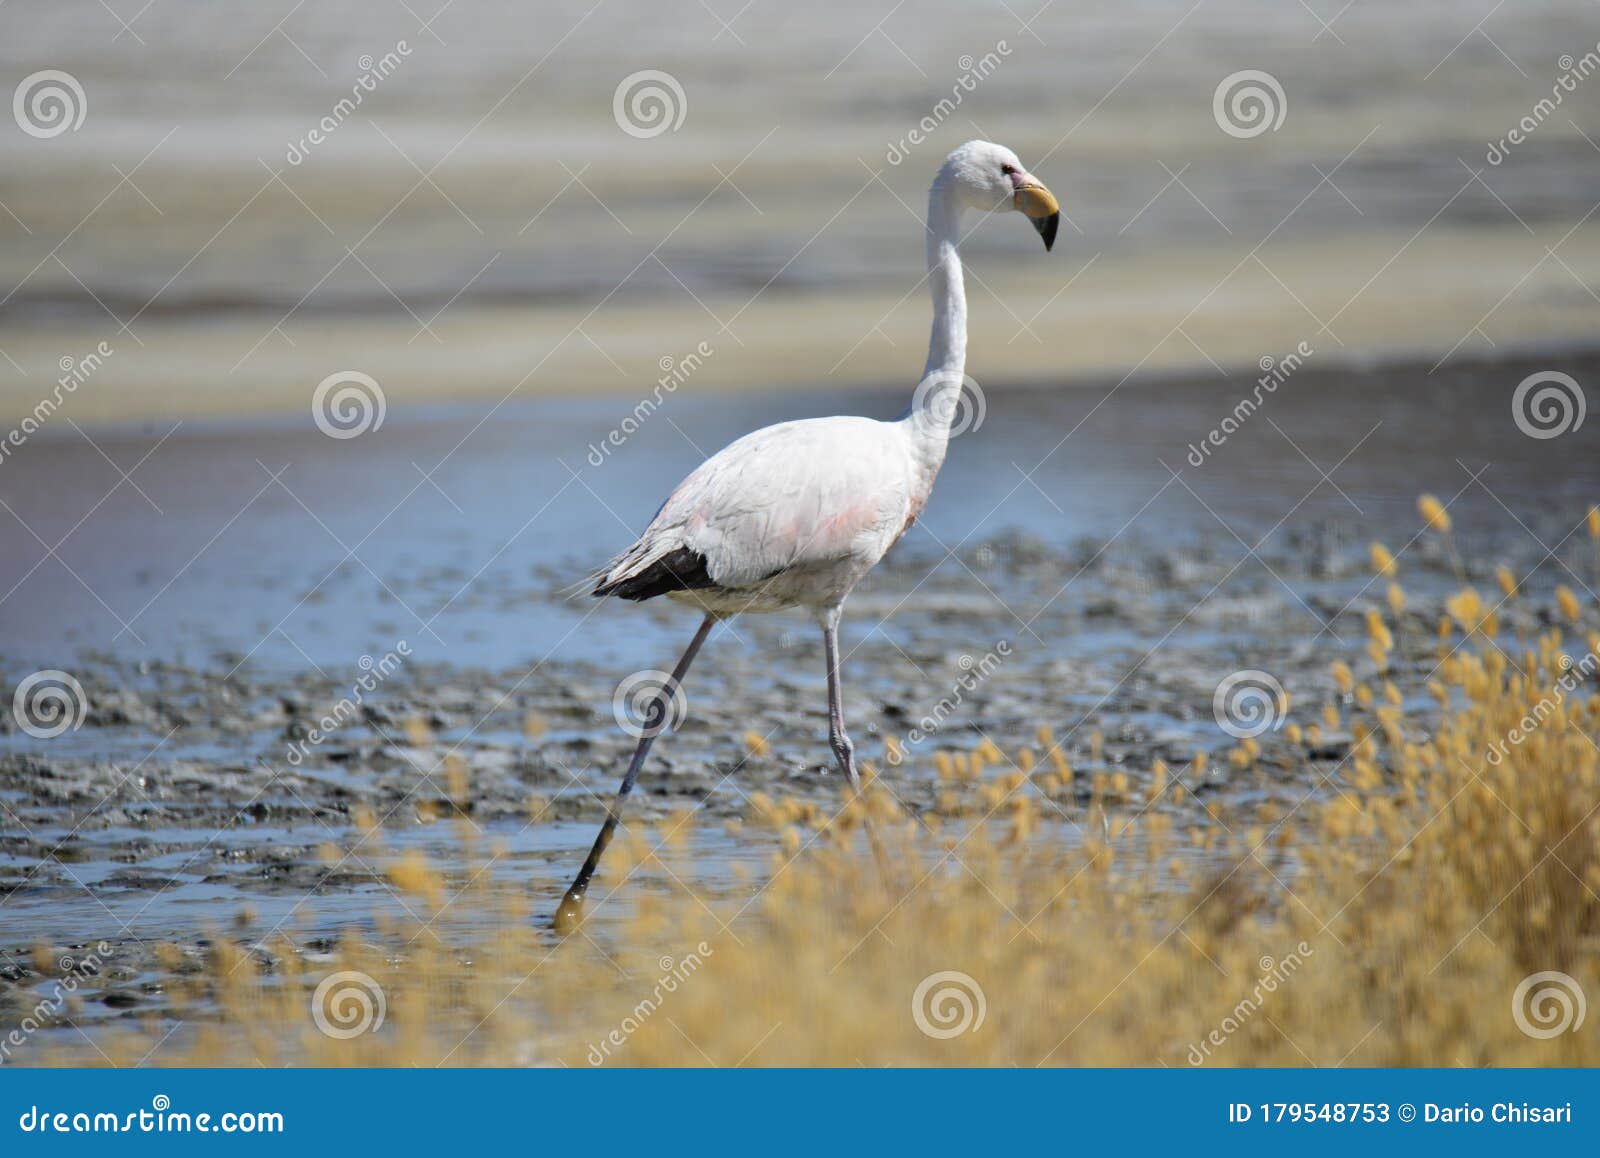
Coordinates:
(1039, 205)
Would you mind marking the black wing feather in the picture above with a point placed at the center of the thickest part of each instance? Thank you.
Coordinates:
(679, 570)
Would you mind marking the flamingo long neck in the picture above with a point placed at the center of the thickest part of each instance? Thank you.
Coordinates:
(947, 342)
(938, 396)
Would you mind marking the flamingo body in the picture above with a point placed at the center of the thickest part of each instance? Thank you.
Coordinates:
(791, 515)
(794, 515)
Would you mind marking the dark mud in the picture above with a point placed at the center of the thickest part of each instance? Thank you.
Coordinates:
(190, 804)
(1102, 595)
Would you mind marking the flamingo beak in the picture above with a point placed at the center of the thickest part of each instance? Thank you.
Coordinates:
(1040, 206)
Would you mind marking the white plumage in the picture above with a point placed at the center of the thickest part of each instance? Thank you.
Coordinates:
(794, 515)
(790, 515)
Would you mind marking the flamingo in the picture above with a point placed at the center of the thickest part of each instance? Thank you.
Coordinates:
(794, 515)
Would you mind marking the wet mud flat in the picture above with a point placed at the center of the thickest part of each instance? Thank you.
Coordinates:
(257, 751)
(193, 804)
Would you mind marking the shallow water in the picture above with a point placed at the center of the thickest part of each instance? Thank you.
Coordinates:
(273, 545)
(178, 812)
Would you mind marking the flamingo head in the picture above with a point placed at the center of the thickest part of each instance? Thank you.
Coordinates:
(989, 177)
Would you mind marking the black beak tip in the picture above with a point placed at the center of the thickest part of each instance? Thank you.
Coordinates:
(1047, 227)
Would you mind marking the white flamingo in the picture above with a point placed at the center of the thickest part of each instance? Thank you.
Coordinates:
(794, 515)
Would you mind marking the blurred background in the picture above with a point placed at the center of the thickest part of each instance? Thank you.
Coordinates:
(482, 201)
(512, 218)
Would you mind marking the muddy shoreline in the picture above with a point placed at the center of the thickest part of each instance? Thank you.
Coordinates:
(174, 814)
(292, 718)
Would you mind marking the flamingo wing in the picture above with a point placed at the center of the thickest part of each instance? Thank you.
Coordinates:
(786, 496)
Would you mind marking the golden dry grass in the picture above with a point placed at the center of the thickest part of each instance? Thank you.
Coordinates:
(1387, 918)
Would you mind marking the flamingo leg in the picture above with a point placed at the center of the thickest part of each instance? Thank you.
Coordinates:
(843, 750)
(570, 913)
